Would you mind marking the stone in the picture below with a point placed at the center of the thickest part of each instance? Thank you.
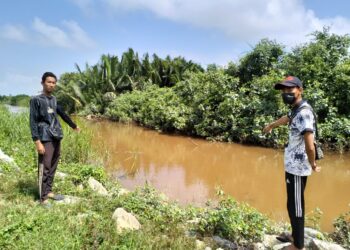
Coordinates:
(200, 245)
(259, 246)
(125, 220)
(5, 158)
(270, 240)
(224, 243)
(69, 200)
(313, 233)
(97, 187)
(281, 246)
(323, 245)
(61, 175)
(207, 248)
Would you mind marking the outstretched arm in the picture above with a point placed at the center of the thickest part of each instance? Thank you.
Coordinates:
(284, 120)
(66, 118)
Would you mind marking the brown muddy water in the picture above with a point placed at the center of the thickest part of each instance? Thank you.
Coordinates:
(190, 170)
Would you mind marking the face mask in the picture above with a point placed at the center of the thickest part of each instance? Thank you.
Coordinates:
(288, 98)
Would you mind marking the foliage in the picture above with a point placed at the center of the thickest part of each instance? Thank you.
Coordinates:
(313, 219)
(322, 65)
(264, 57)
(112, 75)
(150, 205)
(76, 147)
(158, 108)
(17, 100)
(341, 233)
(237, 222)
(236, 102)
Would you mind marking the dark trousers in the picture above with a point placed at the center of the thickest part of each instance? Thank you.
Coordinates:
(49, 161)
(296, 206)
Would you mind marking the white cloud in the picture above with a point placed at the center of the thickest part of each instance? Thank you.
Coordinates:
(78, 35)
(51, 35)
(14, 32)
(73, 37)
(87, 6)
(70, 35)
(287, 21)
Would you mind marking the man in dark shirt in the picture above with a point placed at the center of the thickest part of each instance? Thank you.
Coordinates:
(47, 134)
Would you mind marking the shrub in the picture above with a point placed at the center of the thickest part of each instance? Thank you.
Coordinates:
(341, 233)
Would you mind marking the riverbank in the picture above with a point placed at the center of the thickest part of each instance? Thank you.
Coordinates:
(87, 221)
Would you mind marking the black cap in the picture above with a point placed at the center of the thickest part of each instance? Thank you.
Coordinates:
(290, 81)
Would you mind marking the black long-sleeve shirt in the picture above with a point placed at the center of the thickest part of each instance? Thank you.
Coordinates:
(40, 118)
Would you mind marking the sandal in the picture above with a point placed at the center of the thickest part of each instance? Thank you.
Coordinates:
(285, 237)
(56, 197)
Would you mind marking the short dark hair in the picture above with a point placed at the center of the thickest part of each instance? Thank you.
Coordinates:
(48, 74)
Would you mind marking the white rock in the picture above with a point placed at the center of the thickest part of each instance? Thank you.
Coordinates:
(259, 246)
(323, 245)
(224, 243)
(270, 240)
(219, 248)
(207, 248)
(313, 233)
(125, 220)
(200, 245)
(97, 187)
(61, 175)
(5, 158)
(69, 200)
(281, 246)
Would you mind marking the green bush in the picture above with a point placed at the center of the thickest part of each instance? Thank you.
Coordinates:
(157, 108)
(237, 222)
(341, 233)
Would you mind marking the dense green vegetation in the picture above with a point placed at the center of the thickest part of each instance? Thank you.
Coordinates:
(17, 100)
(231, 103)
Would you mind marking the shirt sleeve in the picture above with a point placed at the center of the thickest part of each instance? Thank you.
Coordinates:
(305, 121)
(33, 118)
(65, 117)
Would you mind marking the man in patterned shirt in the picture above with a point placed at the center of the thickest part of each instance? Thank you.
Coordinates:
(299, 156)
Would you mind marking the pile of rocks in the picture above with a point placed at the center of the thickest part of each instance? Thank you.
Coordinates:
(314, 240)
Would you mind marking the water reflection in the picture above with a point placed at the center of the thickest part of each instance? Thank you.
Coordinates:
(16, 109)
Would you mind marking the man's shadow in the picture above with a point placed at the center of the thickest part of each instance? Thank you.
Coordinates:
(28, 187)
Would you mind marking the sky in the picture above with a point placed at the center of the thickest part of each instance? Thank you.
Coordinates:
(39, 35)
